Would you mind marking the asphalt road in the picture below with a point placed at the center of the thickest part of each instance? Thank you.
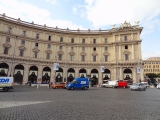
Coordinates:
(29, 103)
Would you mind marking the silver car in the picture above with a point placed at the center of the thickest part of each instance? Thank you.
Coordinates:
(138, 86)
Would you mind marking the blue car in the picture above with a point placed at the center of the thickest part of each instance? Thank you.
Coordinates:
(78, 83)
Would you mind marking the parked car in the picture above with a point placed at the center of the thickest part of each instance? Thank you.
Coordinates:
(146, 84)
(78, 83)
(115, 84)
(59, 85)
(138, 86)
(158, 86)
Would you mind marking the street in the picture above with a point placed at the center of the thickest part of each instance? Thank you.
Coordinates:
(29, 103)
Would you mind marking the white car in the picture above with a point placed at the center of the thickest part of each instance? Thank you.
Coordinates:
(138, 86)
(158, 86)
(146, 84)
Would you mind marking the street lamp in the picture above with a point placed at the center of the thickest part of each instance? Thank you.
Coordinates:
(56, 58)
(13, 56)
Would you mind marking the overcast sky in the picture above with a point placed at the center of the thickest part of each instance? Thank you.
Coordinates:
(92, 14)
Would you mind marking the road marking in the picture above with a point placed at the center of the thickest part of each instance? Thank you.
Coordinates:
(7, 104)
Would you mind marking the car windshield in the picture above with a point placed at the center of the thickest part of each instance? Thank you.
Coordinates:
(74, 81)
(135, 84)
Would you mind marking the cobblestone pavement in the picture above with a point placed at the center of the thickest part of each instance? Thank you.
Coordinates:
(29, 103)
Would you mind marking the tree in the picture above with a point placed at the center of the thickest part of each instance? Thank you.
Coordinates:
(158, 75)
(151, 75)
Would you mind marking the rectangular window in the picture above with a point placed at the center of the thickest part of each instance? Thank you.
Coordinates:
(72, 40)
(22, 42)
(9, 29)
(37, 36)
(60, 47)
(49, 46)
(83, 40)
(48, 56)
(61, 39)
(7, 39)
(126, 46)
(83, 48)
(105, 40)
(6, 50)
(106, 58)
(71, 57)
(126, 57)
(59, 56)
(94, 49)
(72, 48)
(125, 38)
(83, 57)
(36, 44)
(35, 54)
(94, 41)
(24, 33)
(106, 48)
(21, 52)
(49, 38)
(94, 58)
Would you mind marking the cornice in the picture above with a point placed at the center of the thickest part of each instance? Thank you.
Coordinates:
(94, 54)
(60, 52)
(21, 48)
(48, 51)
(83, 53)
(7, 45)
(72, 53)
(35, 49)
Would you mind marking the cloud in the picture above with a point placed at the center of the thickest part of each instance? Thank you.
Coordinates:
(107, 12)
(52, 1)
(29, 13)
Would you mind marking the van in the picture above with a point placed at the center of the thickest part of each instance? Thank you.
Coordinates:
(78, 83)
(6, 83)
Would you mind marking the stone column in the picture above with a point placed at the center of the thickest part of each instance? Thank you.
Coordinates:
(139, 51)
(121, 73)
(77, 72)
(134, 75)
(39, 71)
(26, 74)
(132, 52)
(100, 79)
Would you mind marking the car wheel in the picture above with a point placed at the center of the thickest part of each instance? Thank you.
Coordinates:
(144, 89)
(124, 87)
(56, 87)
(72, 88)
(5, 89)
(85, 88)
(139, 89)
(113, 87)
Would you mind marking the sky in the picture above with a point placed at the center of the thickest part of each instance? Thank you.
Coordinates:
(92, 14)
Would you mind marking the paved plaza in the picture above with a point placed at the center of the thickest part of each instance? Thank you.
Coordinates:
(29, 103)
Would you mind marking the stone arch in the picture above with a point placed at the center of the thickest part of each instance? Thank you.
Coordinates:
(33, 73)
(106, 75)
(46, 75)
(127, 75)
(82, 71)
(18, 73)
(4, 67)
(94, 76)
(70, 74)
(59, 75)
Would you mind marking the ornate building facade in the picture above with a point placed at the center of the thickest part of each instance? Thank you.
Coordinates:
(28, 48)
(152, 65)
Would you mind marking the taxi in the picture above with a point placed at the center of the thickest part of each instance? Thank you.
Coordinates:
(59, 85)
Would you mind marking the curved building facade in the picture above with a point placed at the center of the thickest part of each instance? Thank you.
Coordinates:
(28, 48)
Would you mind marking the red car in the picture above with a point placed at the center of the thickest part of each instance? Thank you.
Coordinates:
(122, 83)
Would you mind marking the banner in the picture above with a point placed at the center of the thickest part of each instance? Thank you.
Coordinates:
(138, 69)
(56, 66)
(102, 68)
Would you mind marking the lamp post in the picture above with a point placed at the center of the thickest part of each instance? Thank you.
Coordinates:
(56, 58)
(13, 56)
